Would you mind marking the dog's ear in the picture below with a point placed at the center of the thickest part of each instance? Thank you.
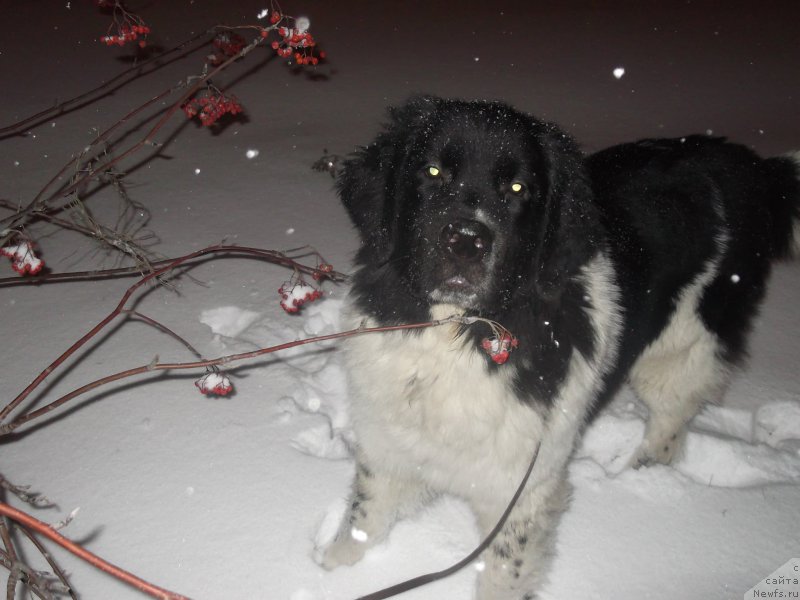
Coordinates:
(367, 184)
(572, 229)
(361, 186)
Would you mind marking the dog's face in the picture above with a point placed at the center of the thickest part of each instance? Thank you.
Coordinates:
(473, 196)
(462, 202)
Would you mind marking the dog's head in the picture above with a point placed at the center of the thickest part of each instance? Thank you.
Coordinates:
(467, 203)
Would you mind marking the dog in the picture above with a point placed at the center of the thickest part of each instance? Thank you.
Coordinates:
(644, 263)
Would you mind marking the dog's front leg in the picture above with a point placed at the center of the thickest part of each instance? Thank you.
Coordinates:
(377, 500)
(515, 565)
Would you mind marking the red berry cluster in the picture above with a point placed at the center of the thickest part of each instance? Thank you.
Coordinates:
(305, 59)
(210, 107)
(127, 33)
(23, 259)
(294, 294)
(228, 44)
(499, 348)
(214, 383)
(292, 41)
(322, 271)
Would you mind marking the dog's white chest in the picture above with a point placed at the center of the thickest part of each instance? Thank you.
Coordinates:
(427, 404)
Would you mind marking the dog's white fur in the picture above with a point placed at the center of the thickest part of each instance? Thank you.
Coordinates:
(430, 419)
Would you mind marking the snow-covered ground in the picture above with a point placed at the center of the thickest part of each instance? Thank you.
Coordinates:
(228, 498)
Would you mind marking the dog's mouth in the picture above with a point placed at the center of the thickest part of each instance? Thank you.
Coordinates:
(457, 282)
(465, 296)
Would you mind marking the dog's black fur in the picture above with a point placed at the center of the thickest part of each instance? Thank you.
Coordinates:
(644, 261)
(664, 204)
(546, 234)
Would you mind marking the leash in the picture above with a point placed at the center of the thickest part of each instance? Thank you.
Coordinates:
(410, 584)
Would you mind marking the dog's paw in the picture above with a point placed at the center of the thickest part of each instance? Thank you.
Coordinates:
(343, 551)
(662, 451)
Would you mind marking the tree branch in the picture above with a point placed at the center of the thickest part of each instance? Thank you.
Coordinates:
(94, 560)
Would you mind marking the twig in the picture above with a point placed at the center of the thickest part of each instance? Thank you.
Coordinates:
(270, 255)
(8, 544)
(90, 173)
(22, 492)
(63, 106)
(164, 329)
(39, 199)
(137, 270)
(94, 560)
(223, 360)
(57, 571)
(63, 223)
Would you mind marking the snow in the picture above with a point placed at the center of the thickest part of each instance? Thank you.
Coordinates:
(214, 384)
(234, 497)
(23, 258)
(228, 321)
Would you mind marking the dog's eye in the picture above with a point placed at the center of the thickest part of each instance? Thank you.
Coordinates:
(517, 187)
(433, 171)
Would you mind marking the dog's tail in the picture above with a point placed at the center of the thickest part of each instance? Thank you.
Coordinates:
(785, 204)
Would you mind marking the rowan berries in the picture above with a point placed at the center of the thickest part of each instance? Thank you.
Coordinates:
(294, 294)
(499, 348)
(210, 107)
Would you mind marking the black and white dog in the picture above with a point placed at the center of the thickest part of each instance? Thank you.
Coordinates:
(643, 263)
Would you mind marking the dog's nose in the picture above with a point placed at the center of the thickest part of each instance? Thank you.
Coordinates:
(466, 240)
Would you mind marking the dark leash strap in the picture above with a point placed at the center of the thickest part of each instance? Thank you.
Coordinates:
(416, 582)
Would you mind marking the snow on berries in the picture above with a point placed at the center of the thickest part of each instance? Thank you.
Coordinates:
(499, 347)
(295, 41)
(501, 343)
(295, 293)
(214, 383)
(23, 259)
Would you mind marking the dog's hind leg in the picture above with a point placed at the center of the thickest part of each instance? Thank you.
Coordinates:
(377, 500)
(678, 373)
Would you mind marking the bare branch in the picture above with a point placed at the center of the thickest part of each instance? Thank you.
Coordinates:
(107, 87)
(94, 560)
